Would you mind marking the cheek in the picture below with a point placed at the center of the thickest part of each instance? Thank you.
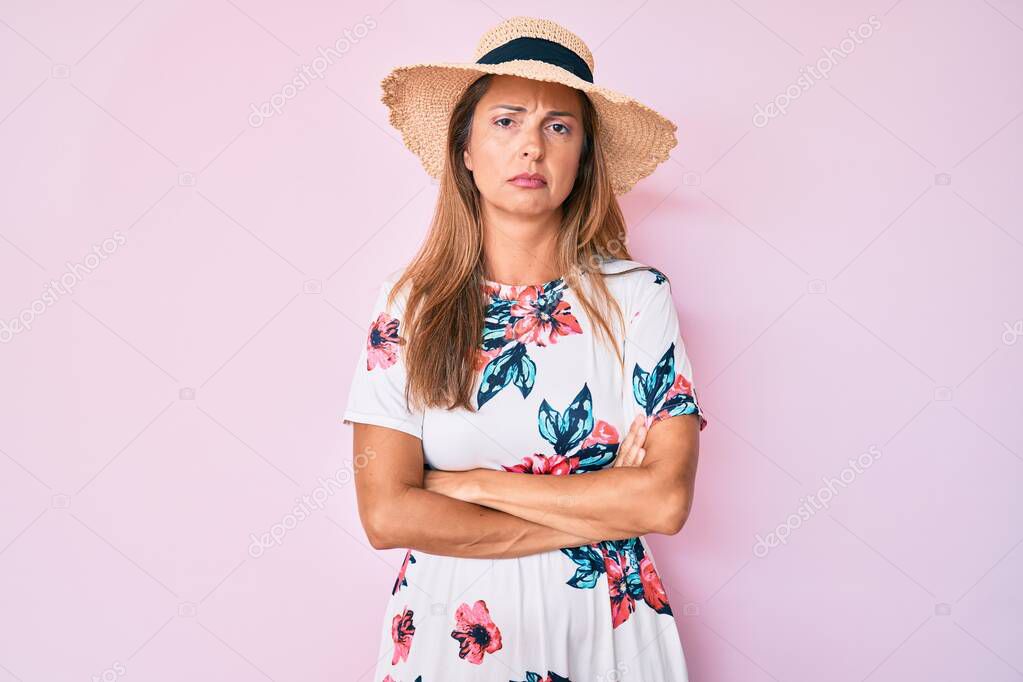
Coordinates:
(565, 165)
(489, 159)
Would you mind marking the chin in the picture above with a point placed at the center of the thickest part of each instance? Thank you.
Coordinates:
(534, 207)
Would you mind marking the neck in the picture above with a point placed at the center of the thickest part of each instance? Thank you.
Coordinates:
(521, 249)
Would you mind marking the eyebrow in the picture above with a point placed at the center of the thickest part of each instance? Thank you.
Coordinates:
(518, 108)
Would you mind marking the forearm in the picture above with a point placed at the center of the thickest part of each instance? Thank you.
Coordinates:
(612, 504)
(437, 524)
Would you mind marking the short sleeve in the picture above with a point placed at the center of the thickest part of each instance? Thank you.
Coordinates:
(655, 356)
(377, 392)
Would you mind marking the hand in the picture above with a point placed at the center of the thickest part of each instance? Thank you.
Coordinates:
(631, 452)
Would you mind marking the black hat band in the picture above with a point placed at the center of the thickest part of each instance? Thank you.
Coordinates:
(542, 50)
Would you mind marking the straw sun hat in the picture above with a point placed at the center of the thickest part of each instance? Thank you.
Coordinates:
(421, 96)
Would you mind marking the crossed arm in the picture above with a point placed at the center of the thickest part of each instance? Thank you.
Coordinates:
(485, 513)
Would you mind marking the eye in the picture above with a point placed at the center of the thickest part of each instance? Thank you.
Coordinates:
(503, 118)
(567, 130)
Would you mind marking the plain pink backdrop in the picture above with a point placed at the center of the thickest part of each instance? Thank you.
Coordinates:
(847, 274)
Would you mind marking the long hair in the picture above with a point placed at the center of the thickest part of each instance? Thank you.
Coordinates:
(446, 304)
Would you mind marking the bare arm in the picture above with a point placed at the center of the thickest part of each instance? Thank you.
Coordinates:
(396, 511)
(613, 504)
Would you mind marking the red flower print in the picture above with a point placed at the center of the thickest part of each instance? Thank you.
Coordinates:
(382, 342)
(653, 591)
(602, 433)
(475, 632)
(402, 631)
(494, 290)
(541, 315)
(681, 385)
(622, 603)
(556, 465)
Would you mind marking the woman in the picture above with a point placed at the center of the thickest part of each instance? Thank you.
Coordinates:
(522, 339)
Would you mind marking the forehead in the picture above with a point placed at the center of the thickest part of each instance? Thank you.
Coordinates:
(531, 94)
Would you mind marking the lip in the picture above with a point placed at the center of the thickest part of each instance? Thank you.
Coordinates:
(529, 180)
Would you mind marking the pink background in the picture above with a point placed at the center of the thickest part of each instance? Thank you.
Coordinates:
(848, 278)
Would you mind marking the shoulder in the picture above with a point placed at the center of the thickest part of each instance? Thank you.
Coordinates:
(382, 289)
(633, 282)
(642, 290)
(394, 275)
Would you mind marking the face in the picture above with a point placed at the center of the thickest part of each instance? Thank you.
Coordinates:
(525, 126)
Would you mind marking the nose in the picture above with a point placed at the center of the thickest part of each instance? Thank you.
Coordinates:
(532, 143)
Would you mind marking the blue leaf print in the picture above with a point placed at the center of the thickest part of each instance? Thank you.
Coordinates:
(566, 431)
(525, 375)
(680, 403)
(495, 324)
(596, 456)
(650, 388)
(590, 565)
(511, 365)
(537, 677)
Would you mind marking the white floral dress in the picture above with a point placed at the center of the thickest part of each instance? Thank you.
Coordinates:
(551, 400)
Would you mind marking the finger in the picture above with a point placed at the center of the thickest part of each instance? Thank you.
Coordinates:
(629, 457)
(642, 432)
(633, 459)
(630, 437)
(627, 444)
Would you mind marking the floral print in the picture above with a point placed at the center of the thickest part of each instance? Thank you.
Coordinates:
(538, 312)
(382, 343)
(476, 632)
(575, 427)
(631, 576)
(516, 319)
(514, 617)
(680, 399)
(400, 581)
(536, 677)
(402, 631)
(662, 392)
(556, 465)
(654, 593)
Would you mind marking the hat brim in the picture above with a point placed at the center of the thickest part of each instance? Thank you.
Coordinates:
(420, 97)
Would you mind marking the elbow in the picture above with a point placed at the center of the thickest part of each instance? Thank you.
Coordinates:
(378, 515)
(379, 538)
(379, 532)
(378, 541)
(376, 536)
(674, 514)
(673, 524)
